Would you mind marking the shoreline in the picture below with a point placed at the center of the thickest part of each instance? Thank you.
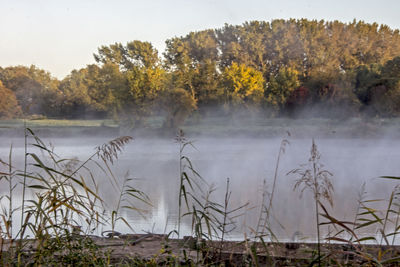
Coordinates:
(275, 130)
(159, 248)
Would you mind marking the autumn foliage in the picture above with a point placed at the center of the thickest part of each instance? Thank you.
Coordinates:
(9, 107)
(280, 68)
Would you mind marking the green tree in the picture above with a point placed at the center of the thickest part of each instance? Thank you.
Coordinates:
(134, 79)
(385, 93)
(77, 102)
(281, 87)
(104, 83)
(137, 100)
(192, 61)
(178, 104)
(366, 78)
(332, 95)
(377, 87)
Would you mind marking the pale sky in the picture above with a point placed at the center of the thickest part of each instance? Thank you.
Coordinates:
(60, 36)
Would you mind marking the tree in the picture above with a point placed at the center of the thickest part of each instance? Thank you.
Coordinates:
(192, 61)
(366, 78)
(207, 85)
(244, 86)
(331, 95)
(77, 102)
(378, 87)
(36, 90)
(178, 104)
(105, 85)
(9, 107)
(137, 79)
(384, 95)
(281, 87)
(391, 72)
(136, 101)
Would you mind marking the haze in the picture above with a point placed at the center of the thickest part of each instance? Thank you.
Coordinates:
(247, 161)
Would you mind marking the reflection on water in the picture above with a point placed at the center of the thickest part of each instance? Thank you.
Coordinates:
(154, 165)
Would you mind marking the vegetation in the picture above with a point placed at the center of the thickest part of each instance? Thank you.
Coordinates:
(278, 68)
(64, 213)
(63, 208)
(316, 179)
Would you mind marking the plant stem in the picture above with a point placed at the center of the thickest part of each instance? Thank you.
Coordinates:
(275, 177)
(24, 182)
(180, 186)
(396, 225)
(10, 212)
(226, 203)
(316, 197)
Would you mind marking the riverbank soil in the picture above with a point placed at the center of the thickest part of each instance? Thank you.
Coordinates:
(153, 250)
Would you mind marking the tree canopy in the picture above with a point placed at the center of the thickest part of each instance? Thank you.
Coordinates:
(278, 67)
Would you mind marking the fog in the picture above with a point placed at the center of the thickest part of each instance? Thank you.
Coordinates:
(247, 161)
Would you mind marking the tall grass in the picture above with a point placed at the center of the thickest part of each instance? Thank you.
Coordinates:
(189, 179)
(64, 203)
(61, 207)
(264, 224)
(312, 176)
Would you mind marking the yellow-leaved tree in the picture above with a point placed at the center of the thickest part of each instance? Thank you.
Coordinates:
(243, 86)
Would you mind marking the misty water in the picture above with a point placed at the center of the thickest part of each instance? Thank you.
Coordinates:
(246, 161)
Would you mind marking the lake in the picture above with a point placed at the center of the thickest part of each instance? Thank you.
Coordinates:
(153, 163)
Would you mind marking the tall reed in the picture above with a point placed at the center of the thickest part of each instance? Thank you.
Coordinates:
(314, 177)
(264, 223)
(64, 203)
(189, 178)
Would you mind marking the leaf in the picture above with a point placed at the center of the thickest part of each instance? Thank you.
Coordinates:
(365, 239)
(37, 186)
(390, 177)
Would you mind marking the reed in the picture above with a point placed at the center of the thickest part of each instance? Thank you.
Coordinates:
(189, 179)
(263, 227)
(312, 176)
(62, 207)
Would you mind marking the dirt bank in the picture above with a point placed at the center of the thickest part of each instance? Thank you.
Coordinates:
(160, 250)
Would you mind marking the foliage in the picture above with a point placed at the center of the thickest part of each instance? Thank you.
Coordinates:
(65, 207)
(9, 107)
(281, 86)
(313, 177)
(178, 104)
(243, 86)
(342, 69)
(378, 86)
(140, 79)
(36, 90)
(75, 88)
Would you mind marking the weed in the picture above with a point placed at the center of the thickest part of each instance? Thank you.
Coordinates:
(313, 177)
(62, 206)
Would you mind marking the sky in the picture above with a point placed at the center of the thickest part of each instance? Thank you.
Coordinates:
(62, 35)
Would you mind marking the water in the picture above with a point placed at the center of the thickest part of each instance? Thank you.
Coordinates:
(154, 165)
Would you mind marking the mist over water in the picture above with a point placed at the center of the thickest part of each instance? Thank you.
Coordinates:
(246, 161)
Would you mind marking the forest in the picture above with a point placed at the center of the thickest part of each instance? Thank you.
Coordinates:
(283, 68)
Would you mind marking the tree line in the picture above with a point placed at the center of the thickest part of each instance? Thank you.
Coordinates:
(277, 68)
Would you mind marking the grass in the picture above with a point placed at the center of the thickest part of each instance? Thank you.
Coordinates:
(63, 210)
(56, 123)
(215, 125)
(62, 205)
(313, 177)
